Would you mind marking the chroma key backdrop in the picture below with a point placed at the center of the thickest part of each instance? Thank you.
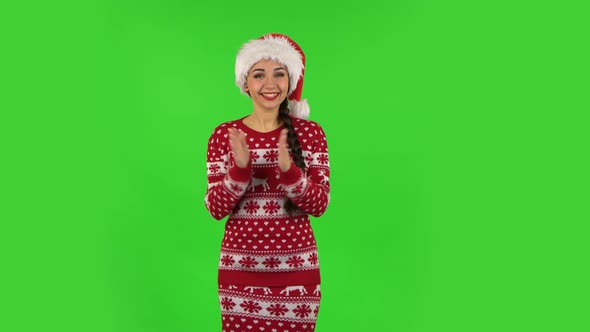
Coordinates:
(458, 144)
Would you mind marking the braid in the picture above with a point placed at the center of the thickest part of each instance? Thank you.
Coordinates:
(294, 145)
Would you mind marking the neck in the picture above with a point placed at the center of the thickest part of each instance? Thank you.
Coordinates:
(263, 120)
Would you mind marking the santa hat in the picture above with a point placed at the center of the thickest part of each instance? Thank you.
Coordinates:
(282, 49)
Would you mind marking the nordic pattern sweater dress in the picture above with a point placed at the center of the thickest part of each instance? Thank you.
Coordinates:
(269, 277)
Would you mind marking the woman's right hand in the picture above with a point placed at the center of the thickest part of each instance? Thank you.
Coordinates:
(238, 145)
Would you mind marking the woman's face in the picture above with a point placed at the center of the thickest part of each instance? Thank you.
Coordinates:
(268, 84)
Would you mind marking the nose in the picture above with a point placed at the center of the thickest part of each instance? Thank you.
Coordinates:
(270, 79)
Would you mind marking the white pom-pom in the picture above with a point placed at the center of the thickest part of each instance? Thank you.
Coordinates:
(299, 109)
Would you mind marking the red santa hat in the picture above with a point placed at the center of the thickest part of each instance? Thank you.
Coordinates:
(282, 49)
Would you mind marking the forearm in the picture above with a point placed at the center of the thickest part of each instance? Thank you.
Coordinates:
(309, 195)
(225, 192)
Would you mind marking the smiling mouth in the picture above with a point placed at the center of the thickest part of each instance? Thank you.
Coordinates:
(270, 96)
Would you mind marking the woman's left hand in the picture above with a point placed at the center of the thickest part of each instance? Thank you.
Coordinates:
(284, 158)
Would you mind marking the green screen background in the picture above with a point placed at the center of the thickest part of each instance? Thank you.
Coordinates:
(458, 140)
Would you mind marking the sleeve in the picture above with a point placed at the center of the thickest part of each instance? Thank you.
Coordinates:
(311, 191)
(226, 182)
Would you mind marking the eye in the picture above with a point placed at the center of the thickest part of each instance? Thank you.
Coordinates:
(280, 75)
(258, 75)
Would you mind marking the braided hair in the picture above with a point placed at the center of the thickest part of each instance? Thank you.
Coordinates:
(294, 145)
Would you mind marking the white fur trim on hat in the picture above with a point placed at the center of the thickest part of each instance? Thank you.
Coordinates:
(278, 49)
(299, 109)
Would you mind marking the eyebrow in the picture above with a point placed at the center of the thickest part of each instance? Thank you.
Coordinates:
(262, 70)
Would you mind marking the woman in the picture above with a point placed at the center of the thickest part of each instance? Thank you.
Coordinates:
(269, 171)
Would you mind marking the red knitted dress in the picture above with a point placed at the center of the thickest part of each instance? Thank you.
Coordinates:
(268, 269)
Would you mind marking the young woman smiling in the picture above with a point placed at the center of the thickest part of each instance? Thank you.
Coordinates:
(268, 172)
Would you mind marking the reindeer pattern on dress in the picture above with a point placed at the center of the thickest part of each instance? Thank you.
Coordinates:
(266, 290)
(259, 182)
(286, 291)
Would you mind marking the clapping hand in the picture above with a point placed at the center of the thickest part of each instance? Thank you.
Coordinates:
(238, 145)
(284, 158)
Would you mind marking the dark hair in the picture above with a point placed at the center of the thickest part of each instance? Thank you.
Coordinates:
(293, 144)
